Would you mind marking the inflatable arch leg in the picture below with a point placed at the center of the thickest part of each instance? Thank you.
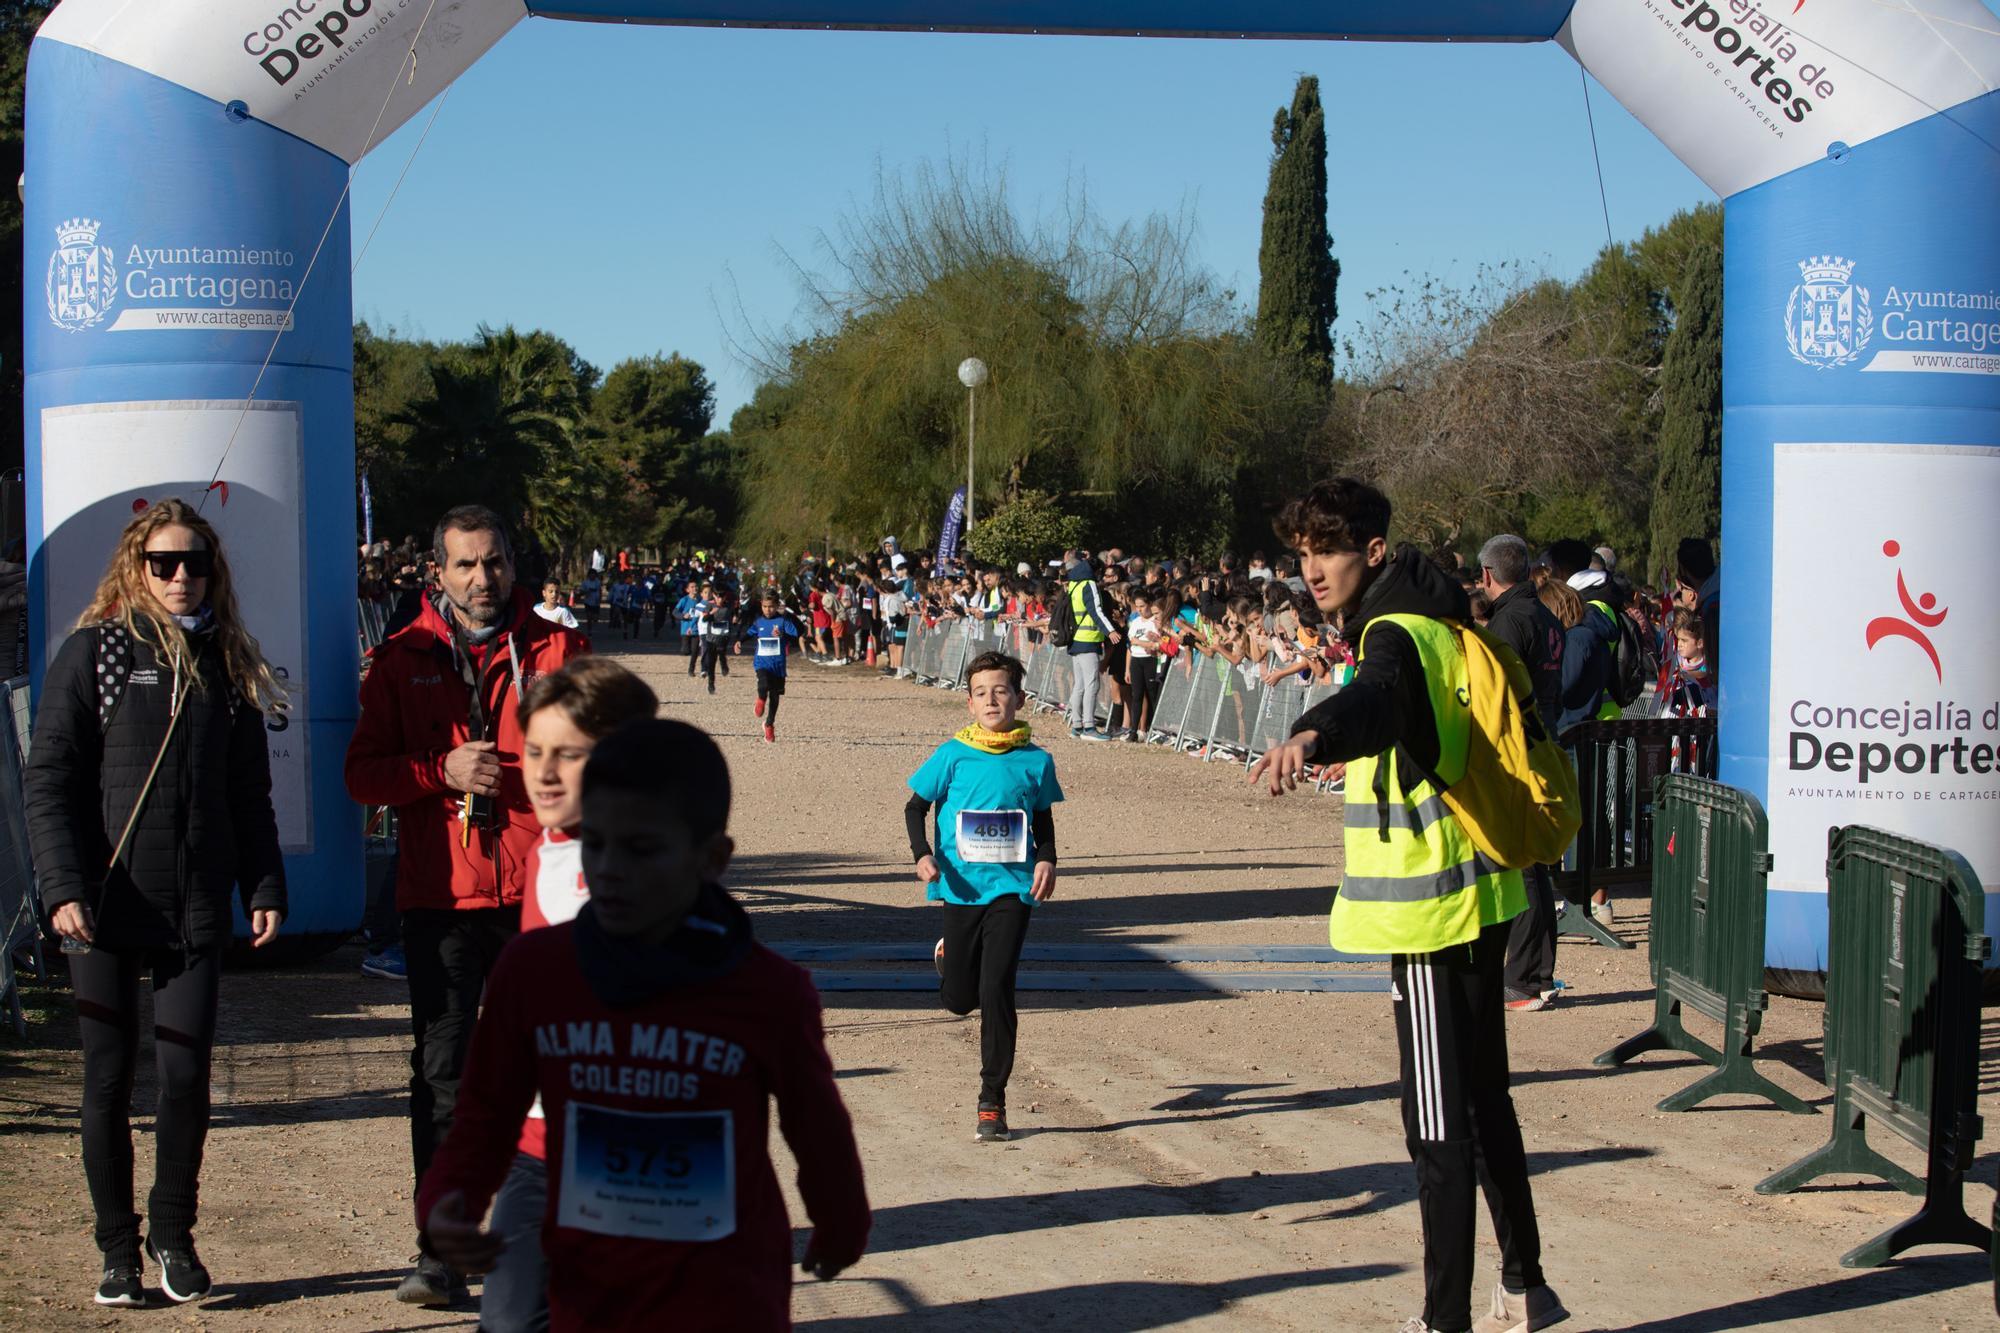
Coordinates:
(161, 232)
(1861, 474)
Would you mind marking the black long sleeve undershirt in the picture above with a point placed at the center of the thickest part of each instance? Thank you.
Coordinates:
(1387, 703)
(916, 821)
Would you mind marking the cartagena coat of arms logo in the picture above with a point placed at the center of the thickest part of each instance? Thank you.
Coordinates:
(83, 281)
(1827, 321)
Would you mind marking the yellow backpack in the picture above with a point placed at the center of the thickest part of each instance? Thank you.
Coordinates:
(1518, 799)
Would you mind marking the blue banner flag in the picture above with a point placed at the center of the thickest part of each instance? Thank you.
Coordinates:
(954, 526)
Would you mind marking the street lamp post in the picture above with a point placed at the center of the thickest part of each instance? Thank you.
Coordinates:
(972, 374)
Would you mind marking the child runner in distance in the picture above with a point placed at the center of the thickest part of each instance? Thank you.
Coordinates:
(995, 793)
(563, 717)
(769, 631)
(688, 610)
(551, 607)
(656, 1031)
(713, 619)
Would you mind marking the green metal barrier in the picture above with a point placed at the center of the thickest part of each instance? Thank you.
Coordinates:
(1708, 936)
(1618, 764)
(1906, 949)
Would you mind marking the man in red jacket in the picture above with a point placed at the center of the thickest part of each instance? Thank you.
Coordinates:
(657, 1032)
(439, 741)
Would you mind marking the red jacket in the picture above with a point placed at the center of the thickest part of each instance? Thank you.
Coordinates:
(415, 709)
(710, 1054)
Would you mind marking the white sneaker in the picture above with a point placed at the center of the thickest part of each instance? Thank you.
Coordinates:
(1603, 913)
(1535, 1308)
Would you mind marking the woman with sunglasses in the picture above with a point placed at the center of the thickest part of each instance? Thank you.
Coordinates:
(148, 798)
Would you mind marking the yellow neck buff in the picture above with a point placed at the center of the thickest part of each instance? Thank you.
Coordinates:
(994, 742)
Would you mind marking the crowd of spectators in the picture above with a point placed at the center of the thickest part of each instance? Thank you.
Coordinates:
(1256, 615)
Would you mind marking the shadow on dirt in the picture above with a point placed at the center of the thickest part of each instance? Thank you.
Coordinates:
(263, 1295)
(1114, 1307)
(1371, 1186)
(1880, 1286)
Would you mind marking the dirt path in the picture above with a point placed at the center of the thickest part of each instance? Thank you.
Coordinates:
(1232, 1161)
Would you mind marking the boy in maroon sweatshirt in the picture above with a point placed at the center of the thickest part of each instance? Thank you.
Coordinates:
(657, 1032)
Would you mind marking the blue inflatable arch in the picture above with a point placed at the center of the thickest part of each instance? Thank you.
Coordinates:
(183, 163)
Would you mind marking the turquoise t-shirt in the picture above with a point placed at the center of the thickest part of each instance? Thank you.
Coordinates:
(1004, 792)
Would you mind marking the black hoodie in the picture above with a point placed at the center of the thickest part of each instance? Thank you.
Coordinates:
(1387, 703)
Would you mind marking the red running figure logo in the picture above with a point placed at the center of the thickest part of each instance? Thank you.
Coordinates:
(1924, 614)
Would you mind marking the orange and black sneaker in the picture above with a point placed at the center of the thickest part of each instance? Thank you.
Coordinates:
(992, 1125)
(757, 709)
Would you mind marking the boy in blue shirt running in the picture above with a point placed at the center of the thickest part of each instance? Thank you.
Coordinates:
(995, 793)
(770, 630)
(688, 609)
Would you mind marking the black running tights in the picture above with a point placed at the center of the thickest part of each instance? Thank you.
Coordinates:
(982, 952)
(184, 987)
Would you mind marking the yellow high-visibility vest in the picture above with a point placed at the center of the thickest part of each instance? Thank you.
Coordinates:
(1415, 882)
(1607, 707)
(1086, 626)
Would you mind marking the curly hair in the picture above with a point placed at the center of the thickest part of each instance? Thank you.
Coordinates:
(1339, 514)
(123, 597)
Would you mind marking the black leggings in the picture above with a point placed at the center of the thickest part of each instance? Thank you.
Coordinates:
(106, 984)
(771, 689)
(982, 952)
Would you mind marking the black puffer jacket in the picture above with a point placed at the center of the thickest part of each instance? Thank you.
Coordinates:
(207, 824)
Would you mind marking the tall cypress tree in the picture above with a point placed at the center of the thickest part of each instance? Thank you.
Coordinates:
(1297, 273)
(1687, 490)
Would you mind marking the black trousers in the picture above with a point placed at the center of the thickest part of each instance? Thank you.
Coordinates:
(185, 986)
(1451, 1033)
(714, 653)
(1531, 940)
(982, 952)
(449, 955)
(659, 618)
(691, 647)
(771, 689)
(1144, 694)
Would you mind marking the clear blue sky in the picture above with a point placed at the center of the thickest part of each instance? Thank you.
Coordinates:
(619, 185)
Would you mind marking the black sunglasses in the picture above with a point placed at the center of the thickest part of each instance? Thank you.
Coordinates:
(199, 564)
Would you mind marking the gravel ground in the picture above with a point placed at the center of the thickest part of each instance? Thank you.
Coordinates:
(1183, 1158)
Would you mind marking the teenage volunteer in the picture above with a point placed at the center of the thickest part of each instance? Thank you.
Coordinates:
(1417, 889)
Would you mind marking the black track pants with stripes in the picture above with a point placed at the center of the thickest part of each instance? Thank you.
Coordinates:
(1459, 1120)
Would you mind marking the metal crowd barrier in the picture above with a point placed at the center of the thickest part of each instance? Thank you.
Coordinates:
(1708, 937)
(372, 623)
(1906, 954)
(20, 924)
(1207, 705)
(1618, 765)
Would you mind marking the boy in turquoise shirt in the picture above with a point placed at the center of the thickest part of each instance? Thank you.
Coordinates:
(995, 792)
